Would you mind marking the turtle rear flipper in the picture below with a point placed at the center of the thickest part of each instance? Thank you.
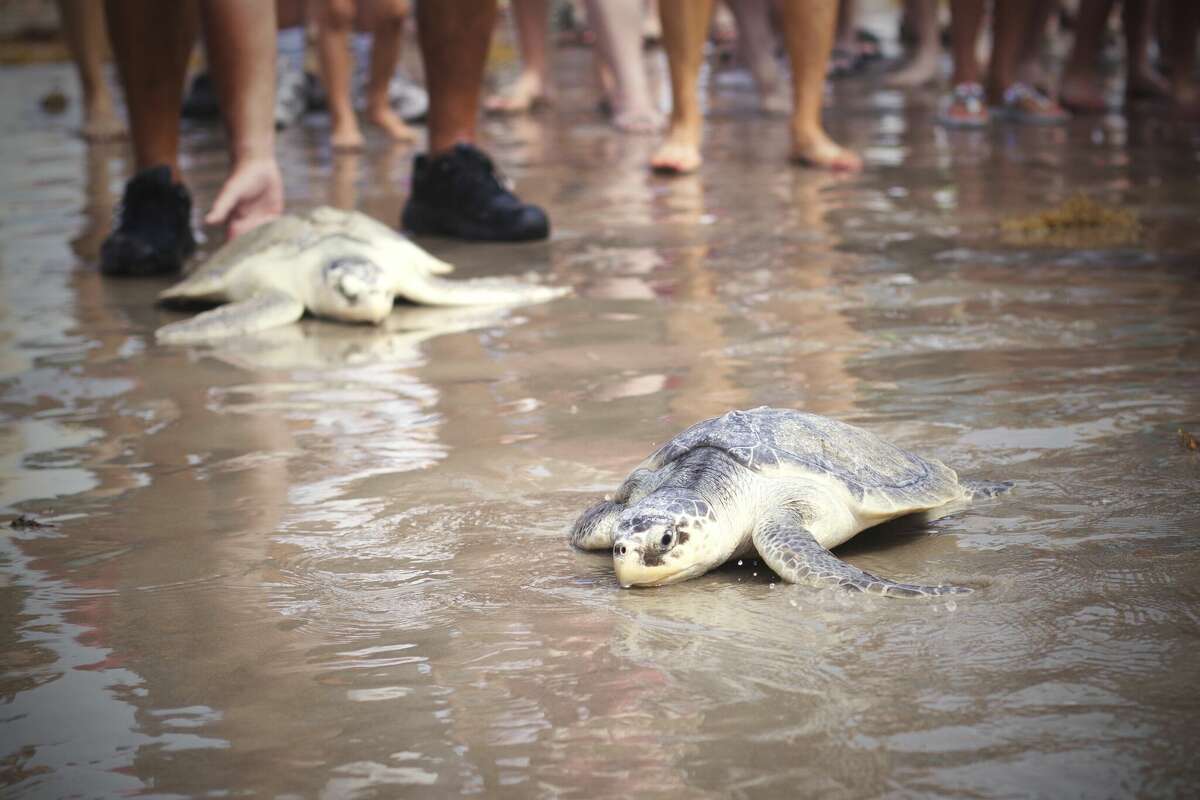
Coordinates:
(267, 309)
(796, 557)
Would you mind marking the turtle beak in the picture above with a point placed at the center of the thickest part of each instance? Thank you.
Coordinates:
(637, 565)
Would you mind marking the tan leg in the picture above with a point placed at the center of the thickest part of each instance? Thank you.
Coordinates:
(386, 20)
(684, 27)
(922, 68)
(756, 41)
(808, 27)
(618, 40)
(454, 36)
(532, 86)
(335, 21)
(151, 44)
(83, 27)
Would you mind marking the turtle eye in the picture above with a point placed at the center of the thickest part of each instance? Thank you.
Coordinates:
(666, 540)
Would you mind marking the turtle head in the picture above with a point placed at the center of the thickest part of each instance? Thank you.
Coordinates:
(355, 289)
(666, 537)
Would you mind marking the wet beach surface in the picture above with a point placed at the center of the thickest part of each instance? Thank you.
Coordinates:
(331, 560)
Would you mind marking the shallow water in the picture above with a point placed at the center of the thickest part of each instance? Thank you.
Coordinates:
(330, 561)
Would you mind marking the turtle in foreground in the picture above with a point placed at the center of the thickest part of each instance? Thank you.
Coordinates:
(337, 264)
(787, 484)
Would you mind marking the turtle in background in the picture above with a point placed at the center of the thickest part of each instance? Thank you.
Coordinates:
(786, 484)
(341, 265)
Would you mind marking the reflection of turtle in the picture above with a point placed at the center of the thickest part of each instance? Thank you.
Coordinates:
(784, 483)
(338, 264)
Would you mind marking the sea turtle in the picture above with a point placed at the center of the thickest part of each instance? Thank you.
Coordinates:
(337, 264)
(787, 484)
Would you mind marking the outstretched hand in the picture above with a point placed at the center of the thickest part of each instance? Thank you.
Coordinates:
(251, 195)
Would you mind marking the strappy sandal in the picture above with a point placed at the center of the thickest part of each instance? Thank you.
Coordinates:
(964, 107)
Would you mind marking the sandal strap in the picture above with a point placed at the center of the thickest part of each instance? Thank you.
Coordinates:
(1020, 91)
(970, 95)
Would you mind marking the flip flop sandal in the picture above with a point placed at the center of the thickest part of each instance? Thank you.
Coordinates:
(1024, 104)
(964, 107)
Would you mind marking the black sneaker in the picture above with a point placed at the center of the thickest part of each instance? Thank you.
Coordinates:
(459, 194)
(154, 235)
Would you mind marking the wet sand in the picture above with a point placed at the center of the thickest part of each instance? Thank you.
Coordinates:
(330, 561)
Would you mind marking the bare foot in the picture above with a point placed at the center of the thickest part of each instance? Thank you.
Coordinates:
(774, 99)
(345, 137)
(390, 122)
(919, 72)
(680, 153)
(1082, 95)
(819, 151)
(638, 121)
(523, 94)
(103, 125)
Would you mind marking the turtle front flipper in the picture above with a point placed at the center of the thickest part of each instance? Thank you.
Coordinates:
(497, 291)
(267, 309)
(793, 554)
(596, 528)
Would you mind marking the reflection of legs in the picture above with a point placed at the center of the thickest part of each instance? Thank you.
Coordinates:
(454, 37)
(922, 69)
(808, 27)
(152, 42)
(335, 20)
(386, 21)
(618, 26)
(531, 86)
(685, 26)
(83, 27)
(756, 41)
(1081, 89)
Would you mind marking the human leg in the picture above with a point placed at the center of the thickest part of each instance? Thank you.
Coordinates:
(151, 43)
(1142, 80)
(1012, 25)
(965, 106)
(1081, 86)
(335, 21)
(808, 28)
(756, 41)
(455, 188)
(83, 28)
(618, 27)
(1185, 19)
(922, 67)
(386, 19)
(532, 85)
(684, 27)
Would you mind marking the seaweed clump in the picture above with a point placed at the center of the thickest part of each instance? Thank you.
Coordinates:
(1078, 222)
